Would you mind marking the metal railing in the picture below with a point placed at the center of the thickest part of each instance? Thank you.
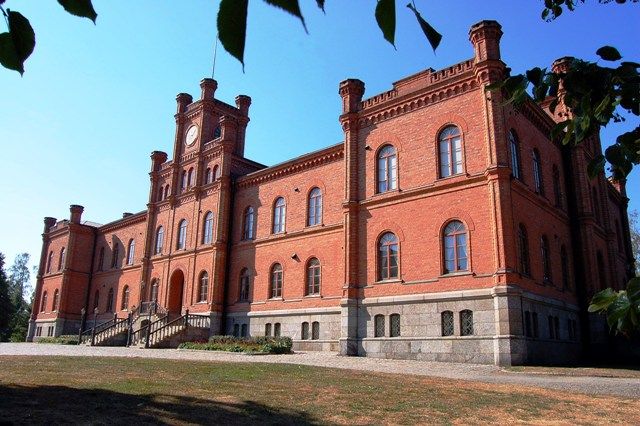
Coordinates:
(138, 336)
(119, 326)
(86, 335)
(175, 326)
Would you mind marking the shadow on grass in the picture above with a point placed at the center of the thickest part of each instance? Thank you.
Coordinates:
(60, 404)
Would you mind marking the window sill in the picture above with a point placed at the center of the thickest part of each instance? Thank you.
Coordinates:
(389, 281)
(456, 274)
(275, 299)
(313, 296)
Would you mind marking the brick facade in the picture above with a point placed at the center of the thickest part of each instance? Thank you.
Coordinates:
(536, 242)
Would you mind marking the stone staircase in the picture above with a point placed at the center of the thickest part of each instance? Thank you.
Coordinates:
(148, 327)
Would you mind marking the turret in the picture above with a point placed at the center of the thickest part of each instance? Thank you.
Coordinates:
(485, 37)
(208, 88)
(351, 91)
(76, 213)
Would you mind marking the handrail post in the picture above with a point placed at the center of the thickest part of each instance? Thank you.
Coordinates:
(186, 319)
(129, 327)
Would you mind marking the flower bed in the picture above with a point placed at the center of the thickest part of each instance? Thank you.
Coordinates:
(264, 345)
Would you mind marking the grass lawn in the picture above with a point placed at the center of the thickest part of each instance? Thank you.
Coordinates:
(136, 390)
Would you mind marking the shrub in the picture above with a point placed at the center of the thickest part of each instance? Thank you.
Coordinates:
(271, 345)
(60, 340)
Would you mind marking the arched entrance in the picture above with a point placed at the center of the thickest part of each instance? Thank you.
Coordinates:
(176, 287)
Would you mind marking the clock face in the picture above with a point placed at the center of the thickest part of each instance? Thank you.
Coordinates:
(192, 135)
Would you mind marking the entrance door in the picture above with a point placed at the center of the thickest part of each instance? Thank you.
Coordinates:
(176, 287)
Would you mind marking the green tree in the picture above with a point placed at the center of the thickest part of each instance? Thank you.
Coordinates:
(634, 228)
(6, 306)
(19, 276)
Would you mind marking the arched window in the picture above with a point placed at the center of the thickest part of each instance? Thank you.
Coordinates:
(181, 243)
(61, 259)
(183, 180)
(43, 305)
(217, 132)
(49, 261)
(190, 177)
(159, 239)
(267, 329)
(596, 204)
(276, 281)
(523, 250)
(101, 259)
(56, 300)
(208, 177)
(466, 323)
(115, 255)
(564, 264)
(557, 187)
(304, 333)
(276, 329)
(166, 191)
(546, 259)
(602, 277)
(110, 300)
(244, 285)
(315, 207)
(514, 148)
(315, 330)
(279, 215)
(248, 222)
(203, 288)
(378, 326)
(216, 172)
(313, 277)
(446, 319)
(154, 290)
(96, 300)
(131, 252)
(387, 169)
(454, 241)
(394, 325)
(450, 151)
(160, 193)
(125, 298)
(207, 236)
(387, 257)
(537, 173)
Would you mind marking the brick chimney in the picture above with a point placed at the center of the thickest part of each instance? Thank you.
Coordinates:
(183, 100)
(208, 88)
(76, 213)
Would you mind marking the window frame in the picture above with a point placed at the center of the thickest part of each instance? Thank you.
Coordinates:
(43, 304)
(447, 329)
(380, 255)
(62, 259)
(545, 255)
(245, 285)
(379, 326)
(454, 234)
(466, 323)
(115, 253)
(124, 304)
(449, 143)
(524, 259)
(515, 157)
(131, 251)
(395, 325)
(279, 217)
(538, 179)
(314, 272)
(181, 240)
(55, 305)
(203, 287)
(159, 246)
(248, 224)
(387, 155)
(207, 228)
(110, 296)
(314, 207)
(276, 281)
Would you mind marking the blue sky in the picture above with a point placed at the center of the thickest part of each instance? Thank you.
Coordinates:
(94, 102)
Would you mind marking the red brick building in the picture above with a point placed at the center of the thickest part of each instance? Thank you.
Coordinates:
(446, 226)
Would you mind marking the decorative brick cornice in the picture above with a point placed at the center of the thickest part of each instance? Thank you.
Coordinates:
(296, 165)
(537, 116)
(407, 95)
(124, 222)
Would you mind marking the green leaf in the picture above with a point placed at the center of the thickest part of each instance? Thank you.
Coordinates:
(614, 155)
(16, 45)
(633, 290)
(609, 53)
(81, 8)
(618, 311)
(596, 166)
(535, 75)
(602, 300)
(232, 27)
(386, 18)
(558, 129)
(433, 36)
(291, 6)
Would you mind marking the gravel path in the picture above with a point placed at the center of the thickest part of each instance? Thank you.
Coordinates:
(626, 387)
